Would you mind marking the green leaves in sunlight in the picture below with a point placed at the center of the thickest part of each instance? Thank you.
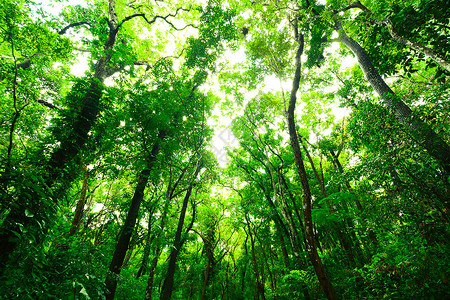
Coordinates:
(145, 151)
(216, 29)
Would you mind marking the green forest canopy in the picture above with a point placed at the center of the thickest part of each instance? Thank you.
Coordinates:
(111, 185)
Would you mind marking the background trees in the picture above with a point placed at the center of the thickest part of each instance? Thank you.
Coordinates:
(109, 187)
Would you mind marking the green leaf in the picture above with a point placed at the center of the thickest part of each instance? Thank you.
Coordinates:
(28, 213)
(84, 293)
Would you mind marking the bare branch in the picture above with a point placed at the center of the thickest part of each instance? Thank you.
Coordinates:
(63, 31)
(143, 63)
(142, 15)
(82, 50)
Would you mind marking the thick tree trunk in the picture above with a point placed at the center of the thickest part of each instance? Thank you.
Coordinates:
(312, 250)
(167, 288)
(419, 130)
(130, 221)
(69, 147)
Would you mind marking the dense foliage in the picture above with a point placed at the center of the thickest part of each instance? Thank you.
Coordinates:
(112, 183)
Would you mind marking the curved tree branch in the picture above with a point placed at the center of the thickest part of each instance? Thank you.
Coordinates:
(142, 15)
(64, 30)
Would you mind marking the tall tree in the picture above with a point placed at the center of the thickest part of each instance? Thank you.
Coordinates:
(309, 228)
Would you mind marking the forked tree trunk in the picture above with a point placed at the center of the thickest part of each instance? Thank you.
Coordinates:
(342, 237)
(167, 288)
(130, 221)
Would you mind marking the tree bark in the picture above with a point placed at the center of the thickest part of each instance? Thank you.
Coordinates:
(259, 286)
(148, 240)
(312, 250)
(130, 221)
(343, 238)
(80, 204)
(167, 288)
(420, 131)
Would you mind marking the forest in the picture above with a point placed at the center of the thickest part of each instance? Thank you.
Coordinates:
(208, 149)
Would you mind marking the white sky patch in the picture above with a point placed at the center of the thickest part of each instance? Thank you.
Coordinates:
(96, 207)
(81, 66)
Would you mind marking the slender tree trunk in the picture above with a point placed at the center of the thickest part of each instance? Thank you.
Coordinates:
(127, 257)
(372, 235)
(151, 276)
(419, 130)
(244, 270)
(80, 204)
(266, 262)
(309, 230)
(130, 221)
(167, 288)
(343, 239)
(205, 282)
(299, 260)
(259, 285)
(292, 230)
(209, 244)
(146, 254)
(280, 225)
(294, 206)
(283, 250)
